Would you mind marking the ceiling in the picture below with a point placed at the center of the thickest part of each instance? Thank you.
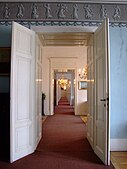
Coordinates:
(65, 39)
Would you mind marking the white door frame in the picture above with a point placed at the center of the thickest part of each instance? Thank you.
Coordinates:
(61, 63)
(56, 29)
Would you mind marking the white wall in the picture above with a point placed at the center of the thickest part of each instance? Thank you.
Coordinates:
(61, 52)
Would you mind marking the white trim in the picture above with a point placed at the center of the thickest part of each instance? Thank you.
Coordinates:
(118, 144)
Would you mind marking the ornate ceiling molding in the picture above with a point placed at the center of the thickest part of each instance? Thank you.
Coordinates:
(65, 13)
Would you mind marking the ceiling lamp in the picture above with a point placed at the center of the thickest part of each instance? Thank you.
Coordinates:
(64, 83)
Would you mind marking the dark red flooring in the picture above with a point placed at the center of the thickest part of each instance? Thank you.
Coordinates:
(64, 107)
(64, 145)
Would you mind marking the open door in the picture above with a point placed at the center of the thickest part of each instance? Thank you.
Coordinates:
(22, 92)
(90, 92)
(38, 114)
(101, 122)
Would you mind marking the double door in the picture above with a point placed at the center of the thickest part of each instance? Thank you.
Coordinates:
(25, 130)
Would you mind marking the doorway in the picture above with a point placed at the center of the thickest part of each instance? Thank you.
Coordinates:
(64, 86)
(92, 119)
(26, 129)
(64, 51)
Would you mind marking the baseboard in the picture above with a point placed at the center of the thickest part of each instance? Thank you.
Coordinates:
(118, 144)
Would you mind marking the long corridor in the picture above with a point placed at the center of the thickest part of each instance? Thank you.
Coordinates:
(63, 146)
(64, 132)
(64, 141)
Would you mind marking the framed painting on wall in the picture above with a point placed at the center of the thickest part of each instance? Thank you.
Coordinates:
(82, 85)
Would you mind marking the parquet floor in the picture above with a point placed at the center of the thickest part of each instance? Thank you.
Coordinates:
(119, 160)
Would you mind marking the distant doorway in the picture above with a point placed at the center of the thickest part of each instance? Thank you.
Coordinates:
(64, 86)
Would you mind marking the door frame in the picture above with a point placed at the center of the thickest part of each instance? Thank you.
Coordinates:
(57, 29)
(58, 63)
(63, 29)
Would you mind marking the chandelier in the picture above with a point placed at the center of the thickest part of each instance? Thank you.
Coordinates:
(64, 83)
(83, 73)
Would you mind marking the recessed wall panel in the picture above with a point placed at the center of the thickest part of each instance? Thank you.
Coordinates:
(23, 91)
(22, 137)
(24, 44)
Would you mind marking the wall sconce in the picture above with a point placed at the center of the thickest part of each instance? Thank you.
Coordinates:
(83, 73)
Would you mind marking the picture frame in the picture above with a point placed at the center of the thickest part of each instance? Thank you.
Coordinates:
(82, 85)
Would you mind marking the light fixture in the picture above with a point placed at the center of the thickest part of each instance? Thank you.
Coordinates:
(64, 83)
(83, 73)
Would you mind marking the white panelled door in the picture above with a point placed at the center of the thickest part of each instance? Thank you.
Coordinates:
(38, 116)
(101, 129)
(22, 92)
(90, 92)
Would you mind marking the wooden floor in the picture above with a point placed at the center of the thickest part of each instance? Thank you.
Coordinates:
(119, 160)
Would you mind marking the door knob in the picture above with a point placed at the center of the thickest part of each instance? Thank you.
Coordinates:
(102, 100)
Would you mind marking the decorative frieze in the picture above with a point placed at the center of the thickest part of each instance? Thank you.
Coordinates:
(61, 11)
(48, 10)
(75, 12)
(34, 14)
(6, 11)
(20, 12)
(103, 12)
(88, 12)
(53, 12)
(117, 13)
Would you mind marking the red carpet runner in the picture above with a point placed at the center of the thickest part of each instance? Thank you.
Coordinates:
(64, 144)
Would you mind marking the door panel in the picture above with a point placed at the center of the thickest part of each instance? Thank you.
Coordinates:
(38, 118)
(101, 129)
(90, 92)
(22, 92)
